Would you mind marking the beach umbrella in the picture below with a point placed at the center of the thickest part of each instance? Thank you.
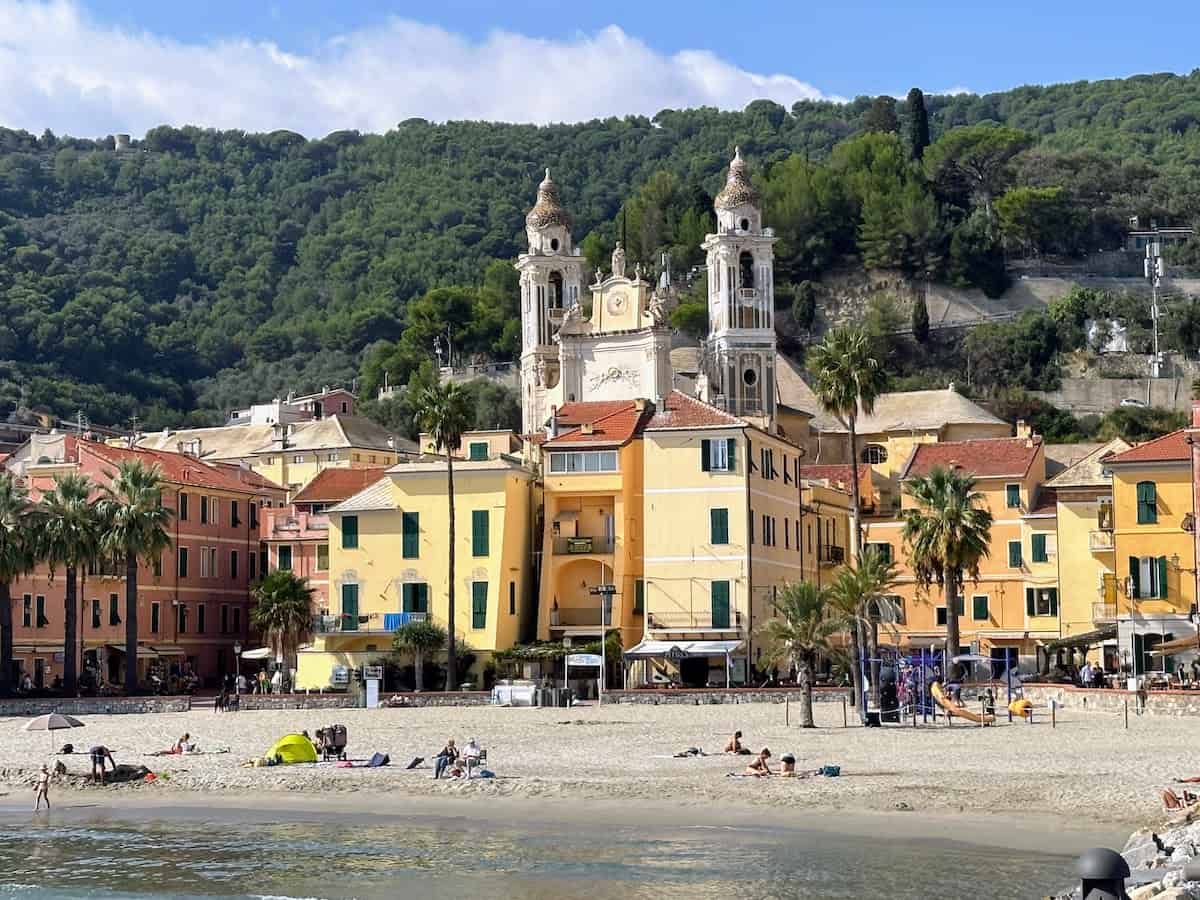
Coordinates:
(51, 723)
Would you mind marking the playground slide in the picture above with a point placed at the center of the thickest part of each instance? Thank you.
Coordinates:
(953, 709)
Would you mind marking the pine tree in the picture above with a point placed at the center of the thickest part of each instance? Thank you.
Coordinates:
(918, 123)
(920, 319)
(882, 115)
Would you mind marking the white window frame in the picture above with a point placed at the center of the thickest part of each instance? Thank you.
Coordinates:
(297, 459)
(583, 462)
(718, 455)
(1041, 601)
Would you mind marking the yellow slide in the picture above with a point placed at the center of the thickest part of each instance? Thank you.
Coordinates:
(952, 709)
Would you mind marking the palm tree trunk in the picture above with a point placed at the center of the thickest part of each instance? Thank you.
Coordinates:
(451, 654)
(6, 641)
(804, 675)
(873, 665)
(855, 500)
(950, 598)
(71, 634)
(418, 671)
(131, 624)
(856, 672)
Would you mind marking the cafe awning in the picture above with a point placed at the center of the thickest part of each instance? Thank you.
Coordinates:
(142, 652)
(681, 649)
(169, 650)
(1085, 639)
(1191, 643)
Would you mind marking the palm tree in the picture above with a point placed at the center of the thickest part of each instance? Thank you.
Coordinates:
(16, 558)
(135, 528)
(419, 639)
(799, 633)
(946, 537)
(283, 612)
(849, 379)
(69, 533)
(861, 597)
(845, 601)
(442, 411)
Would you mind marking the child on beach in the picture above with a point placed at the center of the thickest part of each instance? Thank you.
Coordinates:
(41, 790)
(735, 744)
(787, 766)
(758, 766)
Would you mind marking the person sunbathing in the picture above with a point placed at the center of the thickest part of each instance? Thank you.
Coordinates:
(735, 744)
(758, 766)
(787, 766)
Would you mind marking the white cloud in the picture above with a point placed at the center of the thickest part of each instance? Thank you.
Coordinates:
(61, 69)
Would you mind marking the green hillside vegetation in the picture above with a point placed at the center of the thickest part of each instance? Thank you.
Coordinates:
(204, 269)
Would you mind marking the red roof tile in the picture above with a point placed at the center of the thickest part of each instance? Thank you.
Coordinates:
(603, 423)
(177, 468)
(335, 485)
(983, 458)
(576, 413)
(839, 476)
(1171, 447)
(681, 411)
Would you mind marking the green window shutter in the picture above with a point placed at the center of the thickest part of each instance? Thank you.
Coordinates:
(410, 529)
(479, 450)
(349, 532)
(705, 455)
(1134, 573)
(639, 595)
(719, 521)
(1030, 607)
(1053, 601)
(1014, 554)
(732, 454)
(1012, 493)
(479, 532)
(422, 598)
(407, 596)
(1147, 503)
(479, 604)
(979, 608)
(720, 604)
(1039, 547)
(1162, 577)
(349, 607)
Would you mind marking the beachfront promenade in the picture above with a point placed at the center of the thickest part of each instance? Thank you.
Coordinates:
(1088, 768)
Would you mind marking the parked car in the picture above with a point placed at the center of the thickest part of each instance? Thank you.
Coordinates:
(1133, 401)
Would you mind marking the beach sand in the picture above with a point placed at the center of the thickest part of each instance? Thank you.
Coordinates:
(1088, 772)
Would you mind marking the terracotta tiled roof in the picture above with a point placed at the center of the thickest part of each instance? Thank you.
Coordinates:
(335, 485)
(1171, 447)
(176, 468)
(1087, 471)
(983, 458)
(839, 477)
(585, 413)
(602, 423)
(681, 411)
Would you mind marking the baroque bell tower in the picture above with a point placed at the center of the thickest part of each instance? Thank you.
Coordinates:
(551, 281)
(739, 353)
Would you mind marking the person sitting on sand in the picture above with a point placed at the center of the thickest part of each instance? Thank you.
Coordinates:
(787, 767)
(471, 755)
(735, 744)
(758, 766)
(446, 756)
(41, 789)
(100, 755)
(184, 744)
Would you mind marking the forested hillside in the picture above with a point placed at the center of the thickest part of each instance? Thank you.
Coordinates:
(199, 269)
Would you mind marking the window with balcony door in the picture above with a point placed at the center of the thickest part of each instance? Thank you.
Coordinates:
(284, 558)
(414, 597)
(479, 604)
(1041, 601)
(1012, 496)
(718, 455)
(1148, 577)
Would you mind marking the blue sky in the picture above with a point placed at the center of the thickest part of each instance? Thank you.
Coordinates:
(98, 66)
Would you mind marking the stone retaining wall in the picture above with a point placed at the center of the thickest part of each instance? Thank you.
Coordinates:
(705, 696)
(354, 700)
(92, 706)
(1156, 703)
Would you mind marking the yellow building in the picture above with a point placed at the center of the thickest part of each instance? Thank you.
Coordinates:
(1153, 531)
(290, 454)
(1082, 495)
(1013, 607)
(695, 516)
(388, 563)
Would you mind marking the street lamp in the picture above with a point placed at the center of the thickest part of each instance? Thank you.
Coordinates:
(237, 663)
(605, 593)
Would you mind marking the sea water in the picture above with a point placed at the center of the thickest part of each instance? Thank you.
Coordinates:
(94, 853)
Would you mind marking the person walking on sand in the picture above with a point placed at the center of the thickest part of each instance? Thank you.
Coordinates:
(41, 790)
(101, 754)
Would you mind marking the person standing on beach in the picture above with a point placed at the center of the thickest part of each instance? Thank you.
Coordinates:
(41, 790)
(101, 754)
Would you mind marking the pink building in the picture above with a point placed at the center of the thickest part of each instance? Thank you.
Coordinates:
(193, 602)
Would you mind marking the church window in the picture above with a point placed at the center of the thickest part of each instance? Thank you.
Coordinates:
(750, 377)
(554, 244)
(746, 265)
(556, 290)
(744, 224)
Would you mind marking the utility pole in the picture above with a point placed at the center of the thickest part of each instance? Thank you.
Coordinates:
(1153, 267)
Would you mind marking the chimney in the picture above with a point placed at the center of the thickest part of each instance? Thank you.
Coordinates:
(639, 405)
(552, 424)
(1024, 429)
(587, 428)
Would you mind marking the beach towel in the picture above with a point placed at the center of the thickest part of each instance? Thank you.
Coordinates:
(485, 773)
(377, 760)
(416, 761)
(830, 771)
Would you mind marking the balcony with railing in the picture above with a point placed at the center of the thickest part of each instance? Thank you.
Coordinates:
(831, 555)
(368, 623)
(577, 617)
(1104, 613)
(693, 620)
(285, 523)
(1101, 541)
(582, 546)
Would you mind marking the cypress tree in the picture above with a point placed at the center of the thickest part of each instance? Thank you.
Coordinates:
(918, 123)
(920, 319)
